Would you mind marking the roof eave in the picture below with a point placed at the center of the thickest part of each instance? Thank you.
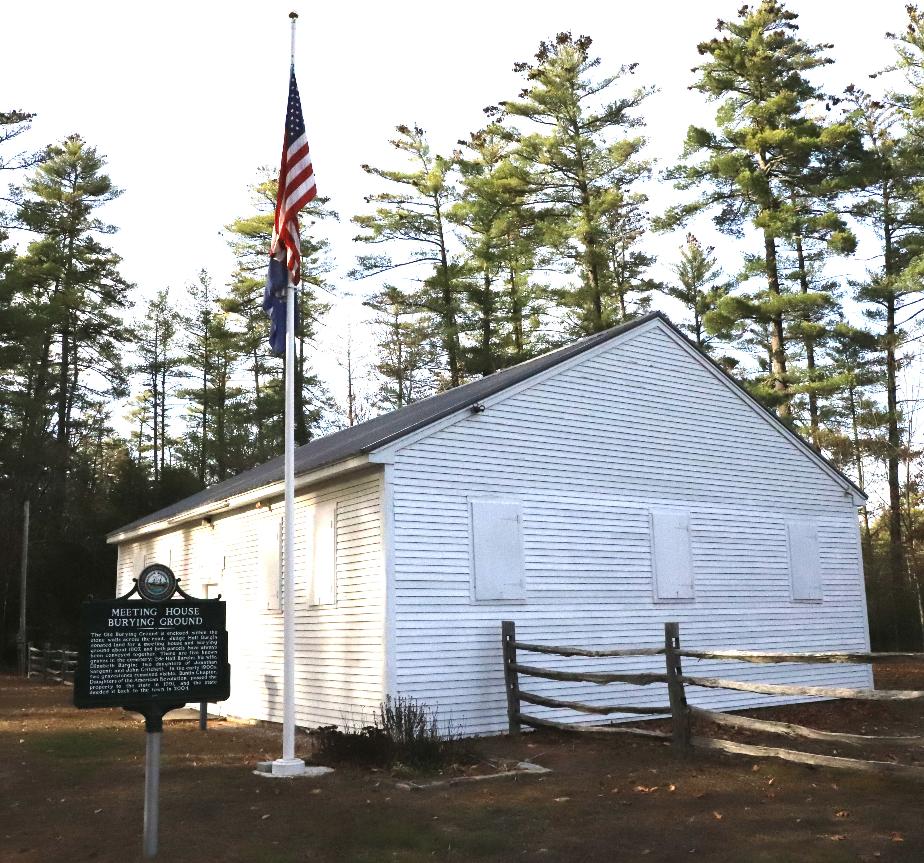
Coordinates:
(247, 498)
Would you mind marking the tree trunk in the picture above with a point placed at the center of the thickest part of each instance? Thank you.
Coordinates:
(399, 371)
(516, 313)
(450, 326)
(261, 449)
(591, 260)
(896, 551)
(221, 448)
(617, 263)
(487, 314)
(163, 407)
(206, 360)
(155, 400)
(589, 237)
(858, 460)
(63, 383)
(777, 336)
(814, 423)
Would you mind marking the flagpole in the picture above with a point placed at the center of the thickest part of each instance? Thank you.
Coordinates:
(289, 765)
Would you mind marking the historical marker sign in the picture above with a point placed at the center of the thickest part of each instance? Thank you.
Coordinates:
(152, 656)
(132, 653)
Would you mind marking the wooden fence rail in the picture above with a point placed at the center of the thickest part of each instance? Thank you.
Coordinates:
(817, 691)
(682, 714)
(515, 696)
(814, 658)
(51, 664)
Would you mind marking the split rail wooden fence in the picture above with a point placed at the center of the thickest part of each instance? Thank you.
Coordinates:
(51, 664)
(682, 714)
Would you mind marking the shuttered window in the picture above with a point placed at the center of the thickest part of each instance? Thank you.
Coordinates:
(804, 560)
(324, 555)
(271, 562)
(497, 549)
(208, 557)
(671, 558)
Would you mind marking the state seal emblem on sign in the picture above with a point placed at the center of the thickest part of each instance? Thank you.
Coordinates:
(157, 583)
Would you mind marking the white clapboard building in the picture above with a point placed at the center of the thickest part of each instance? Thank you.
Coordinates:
(589, 495)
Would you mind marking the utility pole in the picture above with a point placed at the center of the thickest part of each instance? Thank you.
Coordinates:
(23, 574)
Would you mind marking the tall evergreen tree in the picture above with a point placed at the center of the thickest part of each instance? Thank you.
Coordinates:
(160, 362)
(405, 349)
(414, 212)
(77, 282)
(763, 164)
(626, 226)
(888, 199)
(699, 288)
(585, 165)
(501, 236)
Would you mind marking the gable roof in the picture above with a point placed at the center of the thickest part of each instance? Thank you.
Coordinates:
(381, 430)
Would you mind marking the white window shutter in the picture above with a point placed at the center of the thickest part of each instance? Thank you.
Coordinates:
(671, 558)
(271, 563)
(497, 549)
(205, 556)
(804, 560)
(324, 555)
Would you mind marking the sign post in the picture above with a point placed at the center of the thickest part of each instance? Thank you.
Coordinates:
(150, 656)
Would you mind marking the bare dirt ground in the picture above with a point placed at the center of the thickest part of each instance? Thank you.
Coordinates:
(71, 788)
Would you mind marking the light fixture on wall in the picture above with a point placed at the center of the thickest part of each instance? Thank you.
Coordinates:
(477, 408)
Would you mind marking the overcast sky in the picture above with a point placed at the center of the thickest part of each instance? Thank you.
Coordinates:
(187, 100)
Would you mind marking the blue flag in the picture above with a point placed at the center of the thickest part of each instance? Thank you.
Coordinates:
(274, 304)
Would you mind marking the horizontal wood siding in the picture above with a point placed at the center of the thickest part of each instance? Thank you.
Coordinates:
(589, 451)
(340, 652)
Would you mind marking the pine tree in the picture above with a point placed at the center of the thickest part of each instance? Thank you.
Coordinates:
(160, 364)
(415, 214)
(501, 238)
(626, 225)
(13, 124)
(405, 350)
(77, 282)
(357, 406)
(584, 166)
(854, 418)
(197, 325)
(764, 164)
(888, 187)
(699, 288)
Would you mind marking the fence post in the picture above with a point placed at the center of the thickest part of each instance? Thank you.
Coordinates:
(203, 715)
(511, 678)
(680, 714)
(46, 658)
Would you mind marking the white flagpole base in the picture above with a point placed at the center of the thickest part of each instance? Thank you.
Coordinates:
(290, 768)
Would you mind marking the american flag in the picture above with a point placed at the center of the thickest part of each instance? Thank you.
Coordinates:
(296, 184)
